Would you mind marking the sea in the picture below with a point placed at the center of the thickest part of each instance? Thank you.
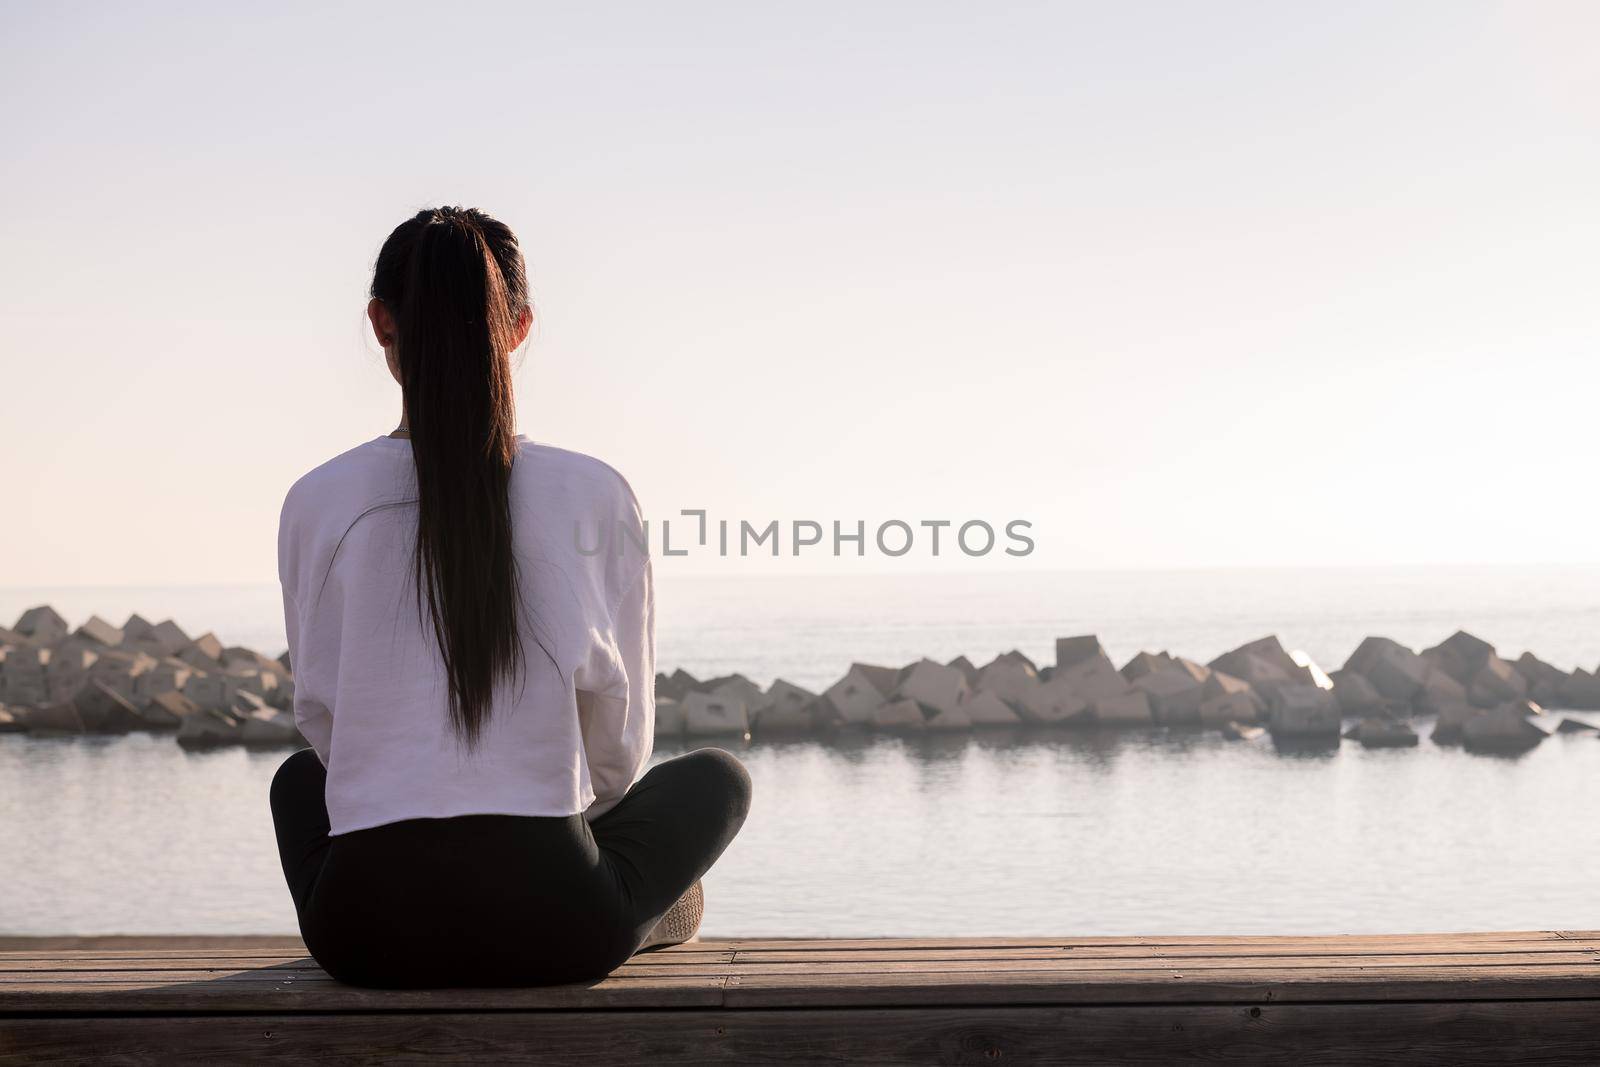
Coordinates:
(1008, 833)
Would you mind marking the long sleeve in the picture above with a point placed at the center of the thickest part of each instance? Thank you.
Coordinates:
(310, 716)
(619, 724)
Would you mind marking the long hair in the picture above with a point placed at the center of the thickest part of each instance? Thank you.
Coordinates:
(455, 282)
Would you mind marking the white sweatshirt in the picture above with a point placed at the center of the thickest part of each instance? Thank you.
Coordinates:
(370, 690)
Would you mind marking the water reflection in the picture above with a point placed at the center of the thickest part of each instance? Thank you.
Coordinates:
(1003, 833)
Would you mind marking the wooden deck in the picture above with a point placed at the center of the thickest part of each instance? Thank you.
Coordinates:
(1533, 998)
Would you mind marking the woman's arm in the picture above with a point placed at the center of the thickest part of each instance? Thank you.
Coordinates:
(619, 725)
(310, 716)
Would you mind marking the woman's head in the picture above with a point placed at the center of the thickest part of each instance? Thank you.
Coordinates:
(469, 261)
(450, 305)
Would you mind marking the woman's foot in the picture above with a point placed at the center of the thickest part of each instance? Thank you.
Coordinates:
(681, 922)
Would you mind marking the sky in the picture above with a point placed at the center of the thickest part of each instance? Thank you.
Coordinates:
(1181, 285)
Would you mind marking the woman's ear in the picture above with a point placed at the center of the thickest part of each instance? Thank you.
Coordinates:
(383, 330)
(382, 322)
(524, 324)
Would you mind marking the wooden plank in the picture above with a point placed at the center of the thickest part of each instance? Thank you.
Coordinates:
(1330, 986)
(1468, 1035)
(286, 943)
(1256, 952)
(322, 994)
(801, 990)
(275, 944)
(861, 963)
(1289, 966)
(888, 949)
(44, 965)
(836, 944)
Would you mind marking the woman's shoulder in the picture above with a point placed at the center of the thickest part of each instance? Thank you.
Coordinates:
(591, 482)
(337, 480)
(590, 512)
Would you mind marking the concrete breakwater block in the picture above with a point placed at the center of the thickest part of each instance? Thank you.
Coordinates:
(170, 636)
(138, 628)
(166, 711)
(1228, 699)
(1074, 650)
(939, 689)
(984, 708)
(677, 685)
(204, 652)
(1174, 693)
(100, 632)
(42, 625)
(1355, 695)
(736, 688)
(268, 728)
(24, 686)
(210, 728)
(1380, 732)
(1545, 681)
(120, 669)
(1460, 655)
(1496, 682)
(708, 715)
(1123, 710)
(898, 716)
(1010, 677)
(1392, 670)
(169, 675)
(967, 669)
(105, 710)
(1304, 712)
(1508, 728)
(1449, 720)
(854, 699)
(1052, 702)
(1089, 673)
(1265, 665)
(670, 721)
(208, 690)
(1439, 693)
(789, 709)
(1581, 692)
(54, 720)
(1145, 663)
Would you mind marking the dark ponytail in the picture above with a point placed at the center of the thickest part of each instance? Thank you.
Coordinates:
(455, 283)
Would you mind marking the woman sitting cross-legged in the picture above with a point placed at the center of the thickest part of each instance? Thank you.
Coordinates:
(476, 680)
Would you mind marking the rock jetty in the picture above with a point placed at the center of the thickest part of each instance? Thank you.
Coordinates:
(141, 676)
(1380, 698)
(100, 678)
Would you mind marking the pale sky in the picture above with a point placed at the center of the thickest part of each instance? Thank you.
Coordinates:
(1183, 284)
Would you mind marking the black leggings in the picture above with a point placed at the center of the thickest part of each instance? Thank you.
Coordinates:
(498, 900)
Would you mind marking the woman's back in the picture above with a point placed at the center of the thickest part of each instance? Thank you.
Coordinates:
(568, 735)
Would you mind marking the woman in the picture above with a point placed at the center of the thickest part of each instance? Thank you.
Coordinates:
(475, 680)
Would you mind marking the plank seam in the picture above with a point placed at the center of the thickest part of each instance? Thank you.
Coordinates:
(796, 1009)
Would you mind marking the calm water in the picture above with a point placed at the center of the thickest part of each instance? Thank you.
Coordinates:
(1161, 833)
(1158, 834)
